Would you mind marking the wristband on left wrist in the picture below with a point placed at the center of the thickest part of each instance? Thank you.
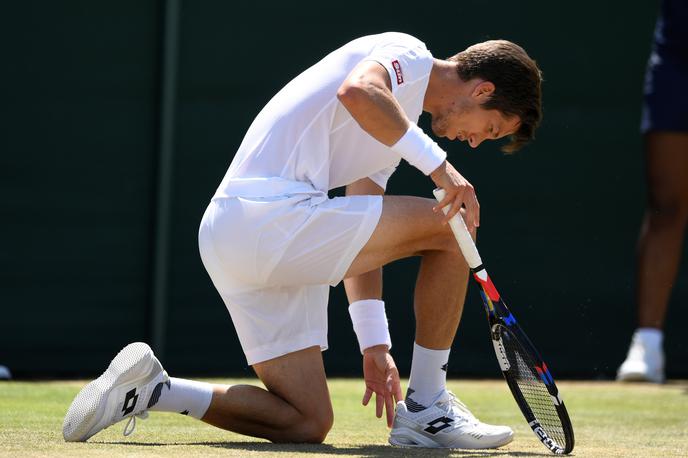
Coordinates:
(370, 323)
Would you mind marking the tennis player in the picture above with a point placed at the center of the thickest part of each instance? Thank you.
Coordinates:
(273, 243)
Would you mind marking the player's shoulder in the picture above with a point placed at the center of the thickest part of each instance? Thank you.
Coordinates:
(387, 43)
(398, 39)
(405, 56)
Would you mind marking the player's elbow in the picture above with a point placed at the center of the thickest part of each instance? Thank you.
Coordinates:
(346, 94)
(351, 95)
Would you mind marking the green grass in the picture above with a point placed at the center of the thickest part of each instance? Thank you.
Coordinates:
(609, 419)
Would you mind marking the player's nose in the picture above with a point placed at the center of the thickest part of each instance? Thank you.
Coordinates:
(475, 140)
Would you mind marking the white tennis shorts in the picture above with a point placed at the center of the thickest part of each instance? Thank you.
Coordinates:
(272, 260)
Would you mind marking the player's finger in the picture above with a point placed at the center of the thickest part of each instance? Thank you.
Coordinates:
(472, 209)
(448, 199)
(476, 213)
(455, 208)
(389, 407)
(396, 390)
(379, 403)
(447, 203)
(367, 395)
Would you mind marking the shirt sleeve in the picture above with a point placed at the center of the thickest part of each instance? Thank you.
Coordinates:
(380, 178)
(405, 58)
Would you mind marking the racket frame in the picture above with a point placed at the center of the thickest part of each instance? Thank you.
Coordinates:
(499, 316)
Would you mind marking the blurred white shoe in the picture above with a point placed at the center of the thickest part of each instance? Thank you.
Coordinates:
(5, 373)
(645, 359)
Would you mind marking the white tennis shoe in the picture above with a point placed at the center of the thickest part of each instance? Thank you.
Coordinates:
(130, 385)
(644, 362)
(446, 424)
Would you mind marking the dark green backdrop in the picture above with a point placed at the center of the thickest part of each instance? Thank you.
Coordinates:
(80, 162)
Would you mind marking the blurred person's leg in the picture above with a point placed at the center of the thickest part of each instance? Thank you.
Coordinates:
(662, 232)
(660, 245)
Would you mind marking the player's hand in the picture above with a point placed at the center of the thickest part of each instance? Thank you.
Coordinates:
(382, 378)
(458, 192)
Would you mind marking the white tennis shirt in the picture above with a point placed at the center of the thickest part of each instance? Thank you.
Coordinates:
(305, 141)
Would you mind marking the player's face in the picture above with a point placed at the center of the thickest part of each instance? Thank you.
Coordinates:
(470, 122)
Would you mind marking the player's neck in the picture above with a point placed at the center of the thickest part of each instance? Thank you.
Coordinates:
(443, 87)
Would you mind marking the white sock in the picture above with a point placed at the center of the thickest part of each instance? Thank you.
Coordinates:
(428, 377)
(183, 396)
(652, 337)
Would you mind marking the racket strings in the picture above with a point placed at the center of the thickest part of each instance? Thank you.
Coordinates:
(535, 394)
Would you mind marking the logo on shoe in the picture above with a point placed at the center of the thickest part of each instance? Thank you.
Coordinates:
(157, 391)
(438, 424)
(129, 402)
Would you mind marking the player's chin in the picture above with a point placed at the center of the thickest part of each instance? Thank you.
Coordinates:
(443, 132)
(438, 128)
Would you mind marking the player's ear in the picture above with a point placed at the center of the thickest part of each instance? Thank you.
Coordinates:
(483, 91)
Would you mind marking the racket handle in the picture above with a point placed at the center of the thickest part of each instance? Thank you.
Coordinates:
(463, 237)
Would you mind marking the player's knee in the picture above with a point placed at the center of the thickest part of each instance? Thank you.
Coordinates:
(314, 430)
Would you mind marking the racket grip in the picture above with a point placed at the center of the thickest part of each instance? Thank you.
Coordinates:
(463, 237)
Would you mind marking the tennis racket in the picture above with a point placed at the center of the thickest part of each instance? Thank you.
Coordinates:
(525, 372)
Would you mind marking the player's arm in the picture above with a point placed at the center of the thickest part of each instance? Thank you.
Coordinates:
(367, 285)
(364, 293)
(367, 94)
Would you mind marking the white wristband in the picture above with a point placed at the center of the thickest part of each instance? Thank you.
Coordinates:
(370, 323)
(419, 150)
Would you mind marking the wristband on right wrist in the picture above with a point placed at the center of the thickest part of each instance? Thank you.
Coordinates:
(419, 150)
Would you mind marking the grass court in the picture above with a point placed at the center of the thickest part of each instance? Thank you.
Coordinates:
(609, 419)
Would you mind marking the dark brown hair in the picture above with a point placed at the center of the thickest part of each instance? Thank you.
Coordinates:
(517, 80)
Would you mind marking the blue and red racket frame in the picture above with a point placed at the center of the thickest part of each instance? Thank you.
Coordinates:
(500, 319)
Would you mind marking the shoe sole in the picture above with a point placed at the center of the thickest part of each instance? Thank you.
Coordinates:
(88, 406)
(638, 377)
(416, 440)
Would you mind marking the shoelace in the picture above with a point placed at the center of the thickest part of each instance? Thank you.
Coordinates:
(132, 421)
(454, 402)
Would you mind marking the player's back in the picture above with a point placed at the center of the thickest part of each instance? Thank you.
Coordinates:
(290, 137)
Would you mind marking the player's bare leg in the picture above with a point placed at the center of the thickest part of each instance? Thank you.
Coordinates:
(409, 227)
(295, 407)
(439, 297)
(660, 246)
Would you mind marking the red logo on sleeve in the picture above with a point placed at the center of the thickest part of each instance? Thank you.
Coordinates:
(397, 70)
